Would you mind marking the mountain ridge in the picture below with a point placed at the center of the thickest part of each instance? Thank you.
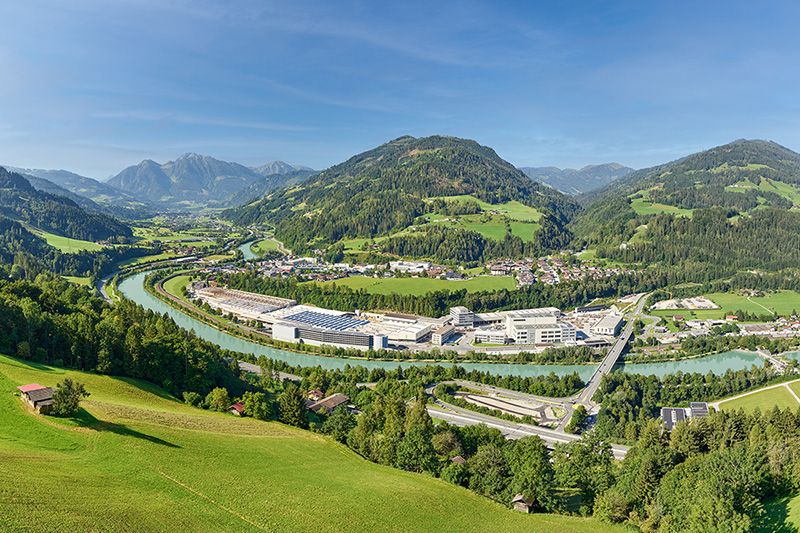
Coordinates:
(574, 182)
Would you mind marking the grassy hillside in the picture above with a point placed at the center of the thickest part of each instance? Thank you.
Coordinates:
(139, 460)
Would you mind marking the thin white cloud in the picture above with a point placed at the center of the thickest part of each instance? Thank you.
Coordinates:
(157, 116)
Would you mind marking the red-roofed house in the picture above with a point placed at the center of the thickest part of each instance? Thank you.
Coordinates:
(236, 409)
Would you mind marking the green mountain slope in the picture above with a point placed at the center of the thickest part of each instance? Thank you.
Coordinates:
(139, 460)
(738, 175)
(386, 190)
(20, 200)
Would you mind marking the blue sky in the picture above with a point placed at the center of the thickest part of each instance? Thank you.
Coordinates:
(95, 86)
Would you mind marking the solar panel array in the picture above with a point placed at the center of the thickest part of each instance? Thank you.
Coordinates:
(321, 320)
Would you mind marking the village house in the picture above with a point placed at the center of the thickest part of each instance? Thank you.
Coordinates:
(522, 504)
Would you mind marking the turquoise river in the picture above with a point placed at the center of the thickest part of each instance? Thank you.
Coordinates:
(132, 288)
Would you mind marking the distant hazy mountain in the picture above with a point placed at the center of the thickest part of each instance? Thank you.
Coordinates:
(96, 191)
(575, 182)
(279, 167)
(266, 184)
(192, 180)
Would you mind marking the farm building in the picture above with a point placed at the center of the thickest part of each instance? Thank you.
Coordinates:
(522, 504)
(39, 397)
(236, 409)
(331, 402)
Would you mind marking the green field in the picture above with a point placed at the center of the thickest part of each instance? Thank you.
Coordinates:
(643, 206)
(174, 285)
(764, 400)
(260, 247)
(780, 515)
(513, 209)
(64, 244)
(420, 286)
(138, 460)
(786, 190)
(146, 259)
(782, 303)
(85, 281)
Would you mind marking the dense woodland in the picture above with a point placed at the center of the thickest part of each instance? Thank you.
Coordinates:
(54, 322)
(57, 214)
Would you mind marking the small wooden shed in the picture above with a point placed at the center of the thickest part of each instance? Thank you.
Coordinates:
(522, 504)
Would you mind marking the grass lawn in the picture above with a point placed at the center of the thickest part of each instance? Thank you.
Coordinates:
(261, 247)
(64, 244)
(782, 302)
(145, 259)
(795, 387)
(780, 514)
(764, 400)
(174, 286)
(420, 286)
(138, 460)
(77, 280)
(643, 206)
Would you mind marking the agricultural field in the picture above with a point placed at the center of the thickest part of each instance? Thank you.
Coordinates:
(512, 209)
(133, 261)
(643, 206)
(261, 247)
(136, 459)
(64, 244)
(765, 400)
(782, 303)
(78, 280)
(420, 286)
(786, 190)
(175, 285)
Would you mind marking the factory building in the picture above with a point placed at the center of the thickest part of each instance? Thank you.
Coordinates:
(608, 325)
(539, 326)
(441, 335)
(461, 317)
(491, 336)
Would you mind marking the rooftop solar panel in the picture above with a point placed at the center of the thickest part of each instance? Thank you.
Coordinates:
(321, 320)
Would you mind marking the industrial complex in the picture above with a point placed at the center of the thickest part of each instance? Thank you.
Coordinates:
(533, 329)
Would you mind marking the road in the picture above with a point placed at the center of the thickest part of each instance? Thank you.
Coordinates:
(510, 430)
(607, 365)
(101, 286)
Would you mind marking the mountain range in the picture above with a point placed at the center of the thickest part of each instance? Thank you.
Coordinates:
(574, 182)
(193, 180)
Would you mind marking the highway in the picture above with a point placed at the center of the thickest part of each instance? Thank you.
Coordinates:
(512, 430)
(585, 397)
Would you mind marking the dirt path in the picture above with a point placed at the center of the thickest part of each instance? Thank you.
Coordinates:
(786, 384)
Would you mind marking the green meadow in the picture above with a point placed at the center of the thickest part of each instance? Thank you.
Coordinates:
(64, 244)
(263, 246)
(782, 302)
(513, 209)
(136, 459)
(764, 400)
(643, 206)
(175, 285)
(420, 286)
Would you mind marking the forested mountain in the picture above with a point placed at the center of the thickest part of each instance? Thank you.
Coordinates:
(746, 163)
(742, 178)
(386, 189)
(574, 182)
(105, 197)
(20, 200)
(268, 183)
